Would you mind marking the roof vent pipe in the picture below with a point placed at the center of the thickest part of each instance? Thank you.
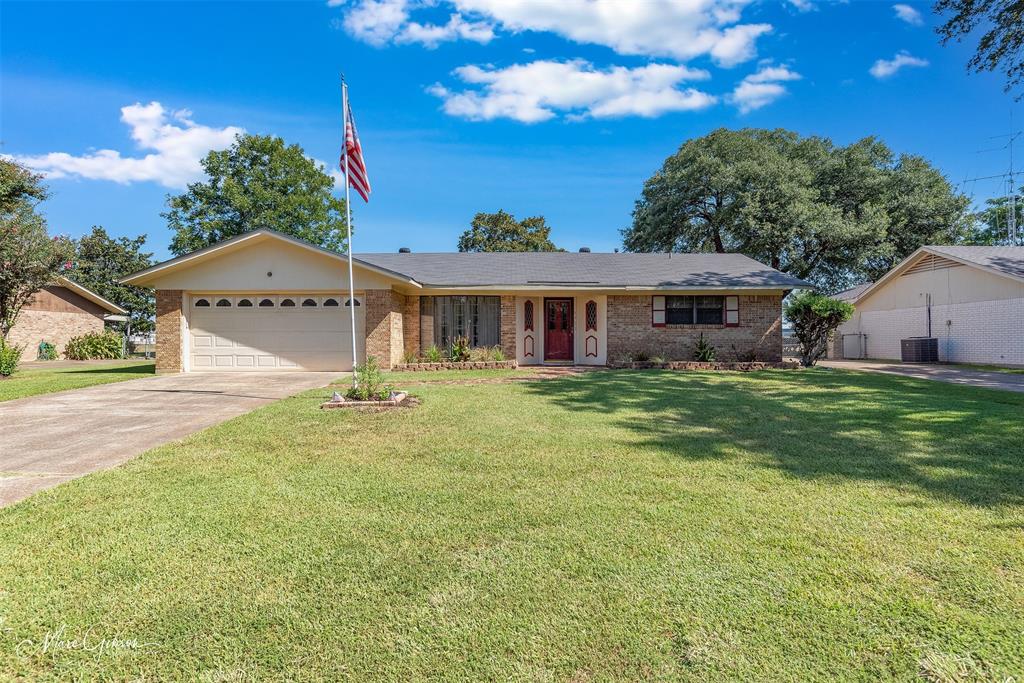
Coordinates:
(584, 250)
(404, 250)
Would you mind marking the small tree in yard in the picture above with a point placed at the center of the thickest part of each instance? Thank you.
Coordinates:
(29, 258)
(815, 317)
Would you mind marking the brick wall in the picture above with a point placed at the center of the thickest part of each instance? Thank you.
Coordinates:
(411, 324)
(55, 327)
(384, 333)
(987, 332)
(508, 326)
(759, 331)
(168, 330)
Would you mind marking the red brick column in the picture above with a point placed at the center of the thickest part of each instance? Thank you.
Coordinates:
(168, 330)
(411, 324)
(384, 338)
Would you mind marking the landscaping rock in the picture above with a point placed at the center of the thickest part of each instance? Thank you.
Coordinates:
(467, 365)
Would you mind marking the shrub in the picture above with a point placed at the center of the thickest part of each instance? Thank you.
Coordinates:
(460, 350)
(704, 352)
(486, 353)
(10, 356)
(370, 384)
(47, 351)
(433, 354)
(658, 360)
(744, 356)
(96, 345)
(640, 356)
(410, 357)
(815, 317)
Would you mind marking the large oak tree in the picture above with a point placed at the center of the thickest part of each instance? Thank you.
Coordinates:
(831, 214)
(1001, 43)
(259, 182)
(502, 232)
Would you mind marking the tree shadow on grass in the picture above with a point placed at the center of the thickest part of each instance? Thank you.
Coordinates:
(142, 369)
(942, 439)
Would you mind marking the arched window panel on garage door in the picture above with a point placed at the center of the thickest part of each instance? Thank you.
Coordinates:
(201, 302)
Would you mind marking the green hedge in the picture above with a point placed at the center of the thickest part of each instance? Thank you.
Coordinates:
(94, 346)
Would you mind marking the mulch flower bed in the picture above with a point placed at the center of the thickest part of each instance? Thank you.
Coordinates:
(467, 365)
(695, 365)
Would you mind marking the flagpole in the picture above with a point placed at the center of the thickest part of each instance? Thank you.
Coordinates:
(348, 227)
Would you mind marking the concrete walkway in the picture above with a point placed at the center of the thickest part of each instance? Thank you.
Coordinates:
(52, 438)
(942, 373)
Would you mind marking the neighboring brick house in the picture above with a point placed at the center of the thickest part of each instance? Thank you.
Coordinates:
(266, 301)
(59, 312)
(971, 299)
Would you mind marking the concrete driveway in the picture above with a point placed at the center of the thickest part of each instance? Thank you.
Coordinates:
(52, 438)
(942, 373)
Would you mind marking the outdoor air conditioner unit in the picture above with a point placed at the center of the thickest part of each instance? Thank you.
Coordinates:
(919, 350)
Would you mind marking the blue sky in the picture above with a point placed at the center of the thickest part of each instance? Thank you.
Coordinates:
(561, 109)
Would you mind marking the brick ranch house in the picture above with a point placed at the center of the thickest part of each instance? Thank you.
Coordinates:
(267, 301)
(59, 312)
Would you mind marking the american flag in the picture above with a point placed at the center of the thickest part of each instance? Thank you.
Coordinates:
(357, 177)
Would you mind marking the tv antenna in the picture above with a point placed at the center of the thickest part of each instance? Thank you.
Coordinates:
(1010, 175)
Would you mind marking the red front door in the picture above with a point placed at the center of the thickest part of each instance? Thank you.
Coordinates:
(558, 329)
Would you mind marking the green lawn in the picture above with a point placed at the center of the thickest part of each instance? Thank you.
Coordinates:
(990, 368)
(47, 380)
(815, 525)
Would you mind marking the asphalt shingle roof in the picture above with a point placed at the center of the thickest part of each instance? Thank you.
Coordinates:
(852, 293)
(586, 269)
(1008, 260)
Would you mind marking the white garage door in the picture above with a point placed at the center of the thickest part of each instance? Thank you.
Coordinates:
(273, 332)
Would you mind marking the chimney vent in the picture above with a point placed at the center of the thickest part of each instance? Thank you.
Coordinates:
(404, 250)
(584, 250)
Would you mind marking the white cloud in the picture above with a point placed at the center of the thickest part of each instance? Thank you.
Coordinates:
(431, 35)
(884, 68)
(762, 88)
(176, 142)
(540, 90)
(657, 28)
(379, 22)
(908, 14)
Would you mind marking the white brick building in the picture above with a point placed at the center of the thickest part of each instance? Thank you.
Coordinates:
(969, 298)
